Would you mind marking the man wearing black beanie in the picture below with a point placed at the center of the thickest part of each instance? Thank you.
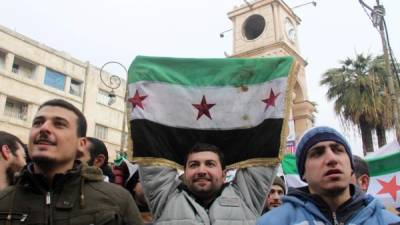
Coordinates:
(324, 160)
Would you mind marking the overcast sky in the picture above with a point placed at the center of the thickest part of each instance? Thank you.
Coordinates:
(99, 31)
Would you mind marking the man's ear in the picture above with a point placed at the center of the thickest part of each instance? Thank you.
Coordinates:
(5, 152)
(363, 181)
(99, 160)
(82, 145)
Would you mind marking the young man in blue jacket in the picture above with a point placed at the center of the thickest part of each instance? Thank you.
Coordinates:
(324, 160)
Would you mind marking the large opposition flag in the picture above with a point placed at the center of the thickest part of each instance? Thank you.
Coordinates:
(240, 105)
(384, 177)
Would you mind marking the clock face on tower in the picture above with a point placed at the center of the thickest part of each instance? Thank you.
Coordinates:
(290, 30)
(253, 27)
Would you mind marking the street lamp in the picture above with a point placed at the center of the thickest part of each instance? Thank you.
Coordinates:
(314, 3)
(378, 20)
(222, 34)
(113, 83)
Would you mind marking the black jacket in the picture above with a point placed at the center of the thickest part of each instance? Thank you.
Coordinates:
(79, 196)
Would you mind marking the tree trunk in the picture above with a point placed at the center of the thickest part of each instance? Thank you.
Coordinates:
(366, 136)
(380, 133)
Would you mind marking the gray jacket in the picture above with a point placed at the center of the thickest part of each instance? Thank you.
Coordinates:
(240, 202)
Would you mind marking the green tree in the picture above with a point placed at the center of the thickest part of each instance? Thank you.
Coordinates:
(361, 98)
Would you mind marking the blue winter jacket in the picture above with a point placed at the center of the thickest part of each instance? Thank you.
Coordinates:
(302, 208)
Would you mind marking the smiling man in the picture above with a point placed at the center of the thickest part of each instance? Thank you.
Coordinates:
(203, 197)
(324, 160)
(56, 188)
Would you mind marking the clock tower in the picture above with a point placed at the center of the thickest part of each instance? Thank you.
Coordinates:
(263, 28)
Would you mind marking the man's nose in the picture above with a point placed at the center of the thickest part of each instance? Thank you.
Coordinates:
(45, 127)
(201, 170)
(331, 157)
(275, 195)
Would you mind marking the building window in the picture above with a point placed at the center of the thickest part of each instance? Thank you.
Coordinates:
(23, 68)
(100, 132)
(75, 87)
(103, 97)
(2, 60)
(54, 79)
(15, 68)
(16, 109)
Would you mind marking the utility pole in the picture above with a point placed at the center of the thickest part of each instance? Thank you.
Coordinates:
(377, 16)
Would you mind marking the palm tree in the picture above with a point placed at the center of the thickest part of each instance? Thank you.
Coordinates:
(385, 116)
(361, 97)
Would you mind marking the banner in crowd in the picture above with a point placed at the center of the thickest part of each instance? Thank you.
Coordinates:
(240, 105)
(292, 178)
(384, 177)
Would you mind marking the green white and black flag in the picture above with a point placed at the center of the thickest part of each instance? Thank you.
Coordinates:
(240, 105)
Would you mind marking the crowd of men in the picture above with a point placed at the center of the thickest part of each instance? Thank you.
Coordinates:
(68, 181)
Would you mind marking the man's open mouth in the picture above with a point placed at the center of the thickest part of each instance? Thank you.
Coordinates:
(332, 172)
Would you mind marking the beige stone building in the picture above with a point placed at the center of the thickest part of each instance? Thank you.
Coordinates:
(263, 28)
(31, 73)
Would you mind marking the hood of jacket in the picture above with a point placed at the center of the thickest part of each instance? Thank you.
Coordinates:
(40, 183)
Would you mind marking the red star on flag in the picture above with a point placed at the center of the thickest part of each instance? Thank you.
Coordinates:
(137, 100)
(270, 101)
(203, 108)
(390, 187)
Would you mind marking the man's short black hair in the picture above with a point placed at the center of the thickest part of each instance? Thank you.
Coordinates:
(82, 125)
(204, 147)
(360, 166)
(97, 147)
(11, 141)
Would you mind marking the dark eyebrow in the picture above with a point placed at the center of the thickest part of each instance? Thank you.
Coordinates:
(38, 117)
(315, 150)
(57, 118)
(335, 145)
(318, 148)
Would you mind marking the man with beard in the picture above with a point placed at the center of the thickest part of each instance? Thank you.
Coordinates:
(274, 197)
(324, 160)
(96, 154)
(56, 188)
(203, 197)
(12, 158)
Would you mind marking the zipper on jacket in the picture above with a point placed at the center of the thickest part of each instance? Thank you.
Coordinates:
(335, 221)
(49, 209)
(48, 198)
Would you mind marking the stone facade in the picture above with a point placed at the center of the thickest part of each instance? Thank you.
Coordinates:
(32, 73)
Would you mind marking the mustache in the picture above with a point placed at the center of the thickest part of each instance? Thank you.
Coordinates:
(44, 138)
